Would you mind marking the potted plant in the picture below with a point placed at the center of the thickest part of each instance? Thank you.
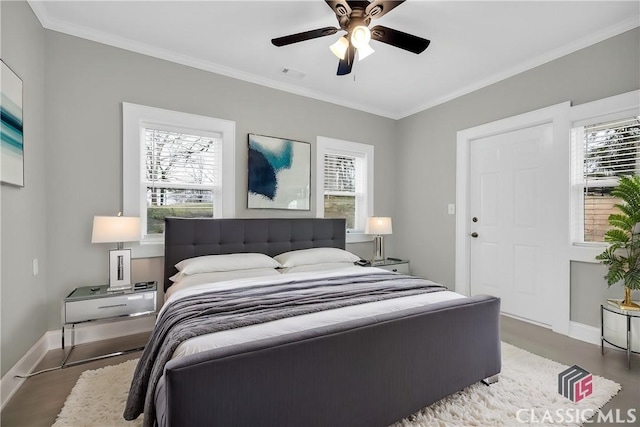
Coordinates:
(622, 257)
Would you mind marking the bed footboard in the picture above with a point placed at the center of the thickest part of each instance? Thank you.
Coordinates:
(358, 374)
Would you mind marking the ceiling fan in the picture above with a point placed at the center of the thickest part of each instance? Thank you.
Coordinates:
(354, 18)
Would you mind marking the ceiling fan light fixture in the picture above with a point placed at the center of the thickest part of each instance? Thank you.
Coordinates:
(360, 36)
(364, 51)
(340, 47)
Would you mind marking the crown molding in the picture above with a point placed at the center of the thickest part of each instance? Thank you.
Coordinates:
(567, 49)
(65, 27)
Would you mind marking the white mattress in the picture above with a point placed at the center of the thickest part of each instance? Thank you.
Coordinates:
(298, 323)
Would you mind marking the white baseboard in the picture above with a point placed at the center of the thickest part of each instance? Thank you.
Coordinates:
(9, 384)
(585, 333)
(51, 340)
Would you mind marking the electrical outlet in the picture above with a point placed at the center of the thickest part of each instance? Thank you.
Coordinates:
(451, 209)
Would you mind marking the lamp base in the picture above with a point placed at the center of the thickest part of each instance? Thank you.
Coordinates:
(378, 249)
(119, 270)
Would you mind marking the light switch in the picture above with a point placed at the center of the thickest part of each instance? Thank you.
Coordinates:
(35, 266)
(451, 209)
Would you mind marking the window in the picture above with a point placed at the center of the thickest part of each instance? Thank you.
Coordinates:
(345, 179)
(175, 164)
(605, 146)
(182, 176)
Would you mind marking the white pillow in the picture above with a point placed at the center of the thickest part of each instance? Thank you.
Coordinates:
(230, 262)
(315, 256)
(325, 266)
(184, 281)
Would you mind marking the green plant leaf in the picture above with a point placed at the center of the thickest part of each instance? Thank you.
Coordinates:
(632, 279)
(623, 222)
(614, 235)
(622, 256)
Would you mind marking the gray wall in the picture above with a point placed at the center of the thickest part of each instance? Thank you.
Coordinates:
(86, 83)
(426, 156)
(24, 211)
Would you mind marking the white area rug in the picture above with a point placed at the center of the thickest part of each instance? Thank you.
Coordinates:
(528, 385)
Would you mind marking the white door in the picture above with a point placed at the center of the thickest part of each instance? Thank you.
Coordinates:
(509, 215)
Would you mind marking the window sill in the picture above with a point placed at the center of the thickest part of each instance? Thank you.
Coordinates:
(359, 237)
(150, 248)
(586, 252)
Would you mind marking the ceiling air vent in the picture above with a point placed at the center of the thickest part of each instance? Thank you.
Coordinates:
(294, 74)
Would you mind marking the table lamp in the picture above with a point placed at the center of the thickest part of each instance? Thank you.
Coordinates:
(117, 229)
(378, 225)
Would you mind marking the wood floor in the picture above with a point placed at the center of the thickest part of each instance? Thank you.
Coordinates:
(40, 399)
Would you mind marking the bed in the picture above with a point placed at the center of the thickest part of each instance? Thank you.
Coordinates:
(361, 372)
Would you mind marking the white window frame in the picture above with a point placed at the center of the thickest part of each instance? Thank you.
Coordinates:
(364, 204)
(135, 118)
(603, 110)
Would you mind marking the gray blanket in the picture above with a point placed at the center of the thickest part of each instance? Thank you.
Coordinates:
(219, 310)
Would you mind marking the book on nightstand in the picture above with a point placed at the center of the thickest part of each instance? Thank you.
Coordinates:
(616, 304)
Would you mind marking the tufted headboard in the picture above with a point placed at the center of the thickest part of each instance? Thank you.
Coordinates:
(191, 237)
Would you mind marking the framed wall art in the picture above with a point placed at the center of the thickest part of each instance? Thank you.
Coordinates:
(11, 128)
(279, 173)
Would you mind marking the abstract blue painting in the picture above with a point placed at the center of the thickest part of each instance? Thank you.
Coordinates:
(279, 173)
(11, 128)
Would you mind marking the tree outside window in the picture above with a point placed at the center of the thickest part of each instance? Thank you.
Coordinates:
(181, 175)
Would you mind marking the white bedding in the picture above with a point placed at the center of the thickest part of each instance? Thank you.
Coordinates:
(298, 323)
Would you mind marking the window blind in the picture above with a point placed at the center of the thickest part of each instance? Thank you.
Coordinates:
(611, 151)
(179, 160)
(340, 173)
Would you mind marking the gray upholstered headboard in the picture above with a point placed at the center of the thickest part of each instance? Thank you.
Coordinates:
(191, 237)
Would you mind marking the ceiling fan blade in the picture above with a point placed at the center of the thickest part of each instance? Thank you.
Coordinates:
(345, 65)
(339, 7)
(378, 8)
(307, 35)
(399, 39)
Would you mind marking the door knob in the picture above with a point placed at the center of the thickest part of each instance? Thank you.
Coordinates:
(474, 235)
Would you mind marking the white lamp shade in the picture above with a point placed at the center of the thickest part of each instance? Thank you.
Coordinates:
(360, 36)
(340, 47)
(378, 225)
(364, 51)
(111, 229)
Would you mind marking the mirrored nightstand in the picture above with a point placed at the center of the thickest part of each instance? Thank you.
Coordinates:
(393, 264)
(94, 304)
(620, 328)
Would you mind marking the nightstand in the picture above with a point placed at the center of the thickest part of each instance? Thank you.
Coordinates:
(93, 304)
(393, 264)
(618, 327)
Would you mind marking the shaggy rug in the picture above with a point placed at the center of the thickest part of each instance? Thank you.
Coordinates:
(526, 393)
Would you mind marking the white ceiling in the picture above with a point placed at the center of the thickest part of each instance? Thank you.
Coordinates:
(473, 43)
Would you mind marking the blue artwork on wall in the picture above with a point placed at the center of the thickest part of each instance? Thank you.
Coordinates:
(11, 127)
(279, 173)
